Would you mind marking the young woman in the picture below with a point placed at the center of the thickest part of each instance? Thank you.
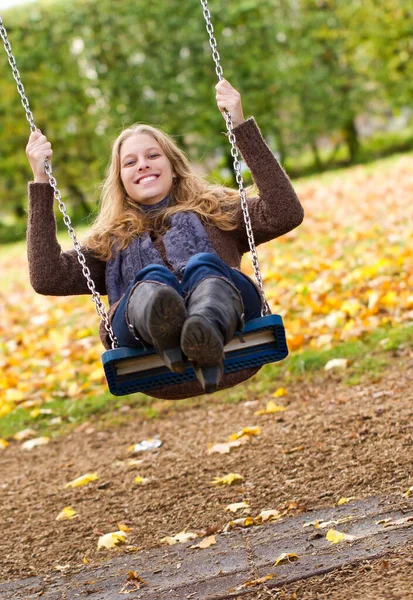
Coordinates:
(166, 246)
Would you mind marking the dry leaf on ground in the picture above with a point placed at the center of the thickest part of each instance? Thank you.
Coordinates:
(286, 557)
(336, 363)
(206, 543)
(82, 480)
(280, 392)
(179, 538)
(110, 540)
(225, 447)
(237, 506)
(335, 537)
(34, 443)
(66, 513)
(246, 431)
(227, 479)
(270, 409)
(268, 515)
(345, 500)
(251, 583)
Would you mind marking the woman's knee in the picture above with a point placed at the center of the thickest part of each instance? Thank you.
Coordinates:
(203, 259)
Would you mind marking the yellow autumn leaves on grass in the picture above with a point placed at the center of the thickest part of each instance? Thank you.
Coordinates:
(345, 271)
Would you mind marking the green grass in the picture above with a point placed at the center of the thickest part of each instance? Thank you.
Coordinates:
(368, 357)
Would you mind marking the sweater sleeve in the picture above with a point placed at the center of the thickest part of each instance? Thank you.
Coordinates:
(53, 272)
(276, 210)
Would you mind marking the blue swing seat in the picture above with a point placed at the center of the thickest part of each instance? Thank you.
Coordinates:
(130, 370)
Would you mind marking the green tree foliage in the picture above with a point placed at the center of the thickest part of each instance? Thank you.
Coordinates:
(306, 69)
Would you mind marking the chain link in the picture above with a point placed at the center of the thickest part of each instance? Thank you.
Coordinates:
(100, 309)
(237, 164)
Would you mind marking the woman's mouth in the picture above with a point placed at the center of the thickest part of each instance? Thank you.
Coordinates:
(146, 179)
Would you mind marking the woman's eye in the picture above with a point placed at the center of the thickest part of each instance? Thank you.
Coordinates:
(154, 155)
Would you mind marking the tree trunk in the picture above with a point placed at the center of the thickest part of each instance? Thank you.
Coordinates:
(351, 139)
(317, 159)
(79, 198)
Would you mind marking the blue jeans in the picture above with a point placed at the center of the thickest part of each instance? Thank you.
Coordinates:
(199, 267)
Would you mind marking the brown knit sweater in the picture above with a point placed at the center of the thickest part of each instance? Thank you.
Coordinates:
(275, 211)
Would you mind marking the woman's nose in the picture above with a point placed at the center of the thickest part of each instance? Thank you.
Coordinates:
(142, 165)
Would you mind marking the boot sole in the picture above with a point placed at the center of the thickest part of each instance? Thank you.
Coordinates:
(203, 345)
(165, 321)
(201, 342)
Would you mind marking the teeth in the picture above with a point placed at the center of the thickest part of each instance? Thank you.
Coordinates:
(149, 178)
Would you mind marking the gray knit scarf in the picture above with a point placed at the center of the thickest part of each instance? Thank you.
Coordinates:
(185, 237)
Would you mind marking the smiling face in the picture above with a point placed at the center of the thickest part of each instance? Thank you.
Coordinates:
(145, 170)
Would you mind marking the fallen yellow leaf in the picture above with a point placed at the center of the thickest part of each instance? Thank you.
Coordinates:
(251, 583)
(243, 522)
(271, 408)
(3, 444)
(268, 515)
(335, 537)
(227, 479)
(345, 500)
(110, 540)
(5, 408)
(123, 527)
(286, 557)
(206, 543)
(336, 363)
(246, 431)
(30, 444)
(225, 447)
(141, 480)
(236, 506)
(179, 538)
(14, 395)
(24, 434)
(83, 480)
(67, 513)
(280, 392)
(61, 567)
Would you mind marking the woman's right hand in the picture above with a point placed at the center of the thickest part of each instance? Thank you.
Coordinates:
(37, 150)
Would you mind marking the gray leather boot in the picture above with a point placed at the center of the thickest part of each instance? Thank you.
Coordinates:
(215, 312)
(156, 313)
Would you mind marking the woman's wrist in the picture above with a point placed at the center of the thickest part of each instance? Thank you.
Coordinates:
(237, 122)
(41, 179)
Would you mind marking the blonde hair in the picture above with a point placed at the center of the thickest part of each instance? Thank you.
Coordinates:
(120, 218)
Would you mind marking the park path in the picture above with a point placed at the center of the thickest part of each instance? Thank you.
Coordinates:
(332, 442)
(375, 529)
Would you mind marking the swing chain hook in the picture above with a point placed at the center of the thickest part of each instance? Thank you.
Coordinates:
(237, 163)
(100, 309)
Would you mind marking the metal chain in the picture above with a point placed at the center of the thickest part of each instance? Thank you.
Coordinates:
(237, 164)
(100, 309)
(16, 75)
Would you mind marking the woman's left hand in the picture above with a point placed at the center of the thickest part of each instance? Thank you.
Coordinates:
(229, 99)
